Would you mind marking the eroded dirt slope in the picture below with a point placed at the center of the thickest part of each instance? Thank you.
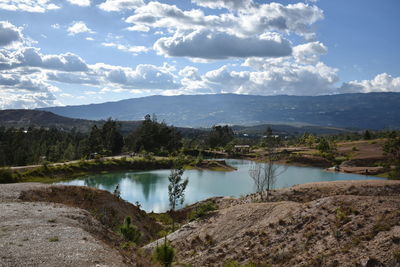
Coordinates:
(351, 223)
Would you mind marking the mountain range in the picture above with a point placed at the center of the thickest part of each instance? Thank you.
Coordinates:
(356, 111)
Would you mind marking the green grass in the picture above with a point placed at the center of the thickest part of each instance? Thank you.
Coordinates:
(54, 239)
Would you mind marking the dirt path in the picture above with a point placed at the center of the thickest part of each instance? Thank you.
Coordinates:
(48, 234)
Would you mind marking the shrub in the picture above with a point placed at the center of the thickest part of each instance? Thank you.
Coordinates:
(165, 253)
(54, 239)
(6, 176)
(202, 210)
(130, 232)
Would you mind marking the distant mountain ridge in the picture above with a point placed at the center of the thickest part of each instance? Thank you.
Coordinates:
(24, 118)
(363, 111)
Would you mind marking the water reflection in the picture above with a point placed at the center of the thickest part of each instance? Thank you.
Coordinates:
(150, 188)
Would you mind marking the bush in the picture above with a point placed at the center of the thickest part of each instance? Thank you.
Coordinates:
(130, 232)
(165, 253)
(202, 210)
(6, 176)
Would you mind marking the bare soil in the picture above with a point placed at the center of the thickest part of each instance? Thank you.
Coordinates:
(46, 225)
(352, 223)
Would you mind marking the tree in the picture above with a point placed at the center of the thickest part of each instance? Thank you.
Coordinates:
(165, 253)
(176, 189)
(111, 138)
(220, 136)
(367, 135)
(153, 136)
(129, 231)
(265, 174)
(392, 150)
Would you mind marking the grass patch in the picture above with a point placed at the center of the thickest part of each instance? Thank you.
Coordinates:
(54, 239)
(202, 210)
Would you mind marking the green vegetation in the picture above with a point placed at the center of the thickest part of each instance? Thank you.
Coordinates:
(155, 137)
(202, 210)
(7, 176)
(165, 253)
(176, 189)
(54, 173)
(129, 231)
(54, 239)
(392, 150)
(219, 136)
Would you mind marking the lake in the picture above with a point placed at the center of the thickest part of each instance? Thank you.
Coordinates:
(150, 188)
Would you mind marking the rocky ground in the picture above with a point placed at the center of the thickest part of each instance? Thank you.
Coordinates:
(353, 223)
(44, 225)
(345, 223)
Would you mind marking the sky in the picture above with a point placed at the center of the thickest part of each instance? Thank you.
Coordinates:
(74, 52)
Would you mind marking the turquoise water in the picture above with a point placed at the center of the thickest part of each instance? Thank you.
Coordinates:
(150, 188)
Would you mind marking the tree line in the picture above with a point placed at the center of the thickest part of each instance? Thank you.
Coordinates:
(39, 145)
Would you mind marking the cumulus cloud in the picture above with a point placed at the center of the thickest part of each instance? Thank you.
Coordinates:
(79, 27)
(135, 49)
(309, 53)
(228, 4)
(22, 89)
(79, 2)
(255, 20)
(144, 76)
(120, 5)
(15, 100)
(217, 45)
(33, 6)
(9, 33)
(73, 78)
(31, 57)
(268, 79)
(381, 83)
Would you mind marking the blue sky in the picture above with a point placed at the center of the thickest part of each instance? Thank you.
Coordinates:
(71, 52)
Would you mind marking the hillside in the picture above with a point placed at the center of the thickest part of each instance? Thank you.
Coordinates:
(25, 118)
(352, 223)
(364, 111)
(342, 223)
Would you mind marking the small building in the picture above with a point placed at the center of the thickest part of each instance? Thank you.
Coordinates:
(241, 148)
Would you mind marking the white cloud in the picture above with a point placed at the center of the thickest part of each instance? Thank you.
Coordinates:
(9, 33)
(309, 53)
(217, 45)
(228, 4)
(15, 100)
(34, 6)
(144, 76)
(255, 20)
(381, 83)
(120, 5)
(283, 78)
(24, 89)
(80, 2)
(32, 57)
(138, 28)
(131, 49)
(79, 27)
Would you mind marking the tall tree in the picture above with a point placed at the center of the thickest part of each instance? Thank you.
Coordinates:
(220, 136)
(176, 190)
(265, 174)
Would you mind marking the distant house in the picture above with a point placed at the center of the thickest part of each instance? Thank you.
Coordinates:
(241, 148)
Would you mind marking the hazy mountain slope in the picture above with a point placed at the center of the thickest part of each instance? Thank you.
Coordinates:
(372, 111)
(25, 118)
